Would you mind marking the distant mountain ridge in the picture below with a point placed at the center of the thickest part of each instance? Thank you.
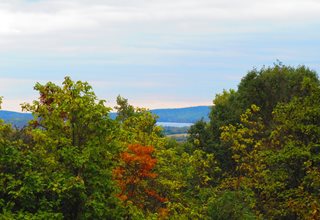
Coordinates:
(18, 119)
(180, 115)
(183, 115)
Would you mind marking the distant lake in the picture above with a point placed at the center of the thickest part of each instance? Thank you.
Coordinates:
(174, 124)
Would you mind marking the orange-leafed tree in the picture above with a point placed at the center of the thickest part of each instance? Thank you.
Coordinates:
(136, 178)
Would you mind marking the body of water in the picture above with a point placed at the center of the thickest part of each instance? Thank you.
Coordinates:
(174, 124)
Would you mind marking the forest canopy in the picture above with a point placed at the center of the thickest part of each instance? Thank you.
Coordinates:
(257, 158)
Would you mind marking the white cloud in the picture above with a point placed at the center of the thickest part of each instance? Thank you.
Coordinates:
(61, 36)
(121, 26)
(56, 17)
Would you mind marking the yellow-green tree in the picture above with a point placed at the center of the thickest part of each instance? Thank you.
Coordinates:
(74, 135)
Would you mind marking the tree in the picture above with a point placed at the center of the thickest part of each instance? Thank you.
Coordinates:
(295, 159)
(199, 136)
(186, 180)
(76, 138)
(22, 184)
(124, 109)
(272, 85)
(279, 167)
(231, 205)
(136, 176)
(265, 88)
(138, 125)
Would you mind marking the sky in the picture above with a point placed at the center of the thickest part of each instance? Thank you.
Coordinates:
(155, 53)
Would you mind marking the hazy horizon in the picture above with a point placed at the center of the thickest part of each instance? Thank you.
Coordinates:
(157, 54)
(115, 111)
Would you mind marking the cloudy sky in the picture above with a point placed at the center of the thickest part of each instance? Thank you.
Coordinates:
(156, 53)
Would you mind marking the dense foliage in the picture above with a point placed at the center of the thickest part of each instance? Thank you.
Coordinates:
(257, 158)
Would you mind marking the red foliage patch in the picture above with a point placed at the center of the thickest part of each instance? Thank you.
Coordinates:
(135, 175)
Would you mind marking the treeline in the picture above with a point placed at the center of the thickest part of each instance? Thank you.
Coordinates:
(257, 158)
(266, 139)
(175, 130)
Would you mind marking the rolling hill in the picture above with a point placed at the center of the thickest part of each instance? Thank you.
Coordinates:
(16, 118)
(183, 115)
(179, 115)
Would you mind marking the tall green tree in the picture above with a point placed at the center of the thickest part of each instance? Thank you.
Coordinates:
(24, 186)
(265, 87)
(296, 155)
(138, 125)
(272, 85)
(72, 131)
(280, 167)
